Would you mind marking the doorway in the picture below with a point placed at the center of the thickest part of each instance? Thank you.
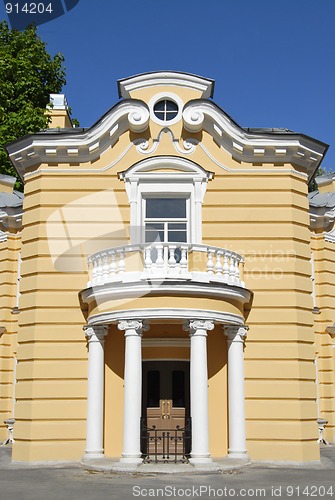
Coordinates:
(166, 433)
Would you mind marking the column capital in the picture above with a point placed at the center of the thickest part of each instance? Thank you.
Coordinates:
(193, 326)
(95, 333)
(133, 326)
(235, 333)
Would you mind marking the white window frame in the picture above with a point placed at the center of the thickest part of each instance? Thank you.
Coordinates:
(166, 96)
(185, 179)
(166, 220)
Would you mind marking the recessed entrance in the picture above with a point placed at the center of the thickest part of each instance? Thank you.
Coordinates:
(166, 432)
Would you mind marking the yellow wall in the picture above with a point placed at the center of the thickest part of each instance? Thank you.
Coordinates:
(324, 263)
(259, 211)
(9, 257)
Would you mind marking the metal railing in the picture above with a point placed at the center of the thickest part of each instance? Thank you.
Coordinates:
(166, 445)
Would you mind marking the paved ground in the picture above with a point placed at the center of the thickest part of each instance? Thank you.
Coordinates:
(254, 481)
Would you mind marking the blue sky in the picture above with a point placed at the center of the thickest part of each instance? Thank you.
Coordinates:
(273, 61)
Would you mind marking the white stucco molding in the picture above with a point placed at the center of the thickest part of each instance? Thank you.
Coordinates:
(3, 236)
(120, 291)
(165, 78)
(235, 331)
(183, 178)
(249, 146)
(95, 333)
(79, 145)
(131, 325)
(198, 326)
(175, 315)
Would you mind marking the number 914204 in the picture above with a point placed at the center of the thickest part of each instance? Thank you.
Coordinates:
(29, 8)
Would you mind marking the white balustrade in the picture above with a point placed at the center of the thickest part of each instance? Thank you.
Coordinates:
(165, 260)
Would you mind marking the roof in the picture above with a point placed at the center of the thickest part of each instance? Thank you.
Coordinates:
(325, 200)
(11, 200)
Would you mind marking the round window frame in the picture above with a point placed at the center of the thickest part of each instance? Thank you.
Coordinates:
(169, 96)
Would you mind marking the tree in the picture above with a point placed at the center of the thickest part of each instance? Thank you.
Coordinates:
(313, 184)
(28, 74)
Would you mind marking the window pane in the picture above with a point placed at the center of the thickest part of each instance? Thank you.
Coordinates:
(153, 384)
(165, 208)
(170, 115)
(151, 236)
(178, 389)
(177, 226)
(171, 106)
(159, 106)
(177, 236)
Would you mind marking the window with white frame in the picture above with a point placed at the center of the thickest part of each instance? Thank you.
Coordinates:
(166, 219)
(166, 206)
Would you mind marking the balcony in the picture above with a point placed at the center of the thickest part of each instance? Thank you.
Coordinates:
(166, 262)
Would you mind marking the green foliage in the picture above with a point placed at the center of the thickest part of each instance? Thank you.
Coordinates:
(28, 74)
(313, 185)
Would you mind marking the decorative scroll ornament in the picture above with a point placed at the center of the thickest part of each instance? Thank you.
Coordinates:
(95, 333)
(138, 325)
(138, 118)
(188, 147)
(194, 325)
(193, 119)
(235, 332)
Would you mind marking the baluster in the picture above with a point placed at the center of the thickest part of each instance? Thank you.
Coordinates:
(160, 259)
(105, 268)
(210, 263)
(242, 272)
(172, 260)
(218, 264)
(94, 272)
(147, 259)
(237, 270)
(225, 267)
(232, 269)
(90, 271)
(100, 279)
(183, 260)
(122, 263)
(113, 266)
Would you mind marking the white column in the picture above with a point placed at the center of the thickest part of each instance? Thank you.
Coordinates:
(199, 390)
(95, 394)
(132, 391)
(236, 412)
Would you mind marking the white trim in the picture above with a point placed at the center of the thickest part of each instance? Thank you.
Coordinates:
(145, 180)
(164, 314)
(168, 96)
(3, 236)
(292, 148)
(166, 78)
(135, 289)
(166, 342)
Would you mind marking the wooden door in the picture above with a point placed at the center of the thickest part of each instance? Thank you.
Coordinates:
(165, 407)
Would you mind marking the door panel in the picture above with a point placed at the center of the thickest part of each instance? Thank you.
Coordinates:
(165, 407)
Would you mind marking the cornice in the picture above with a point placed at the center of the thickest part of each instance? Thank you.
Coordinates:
(66, 146)
(174, 315)
(189, 288)
(165, 78)
(253, 147)
(71, 146)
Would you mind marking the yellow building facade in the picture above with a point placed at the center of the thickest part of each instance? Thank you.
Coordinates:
(175, 298)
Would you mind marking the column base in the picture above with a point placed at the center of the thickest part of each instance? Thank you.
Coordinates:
(200, 459)
(238, 455)
(90, 455)
(131, 459)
